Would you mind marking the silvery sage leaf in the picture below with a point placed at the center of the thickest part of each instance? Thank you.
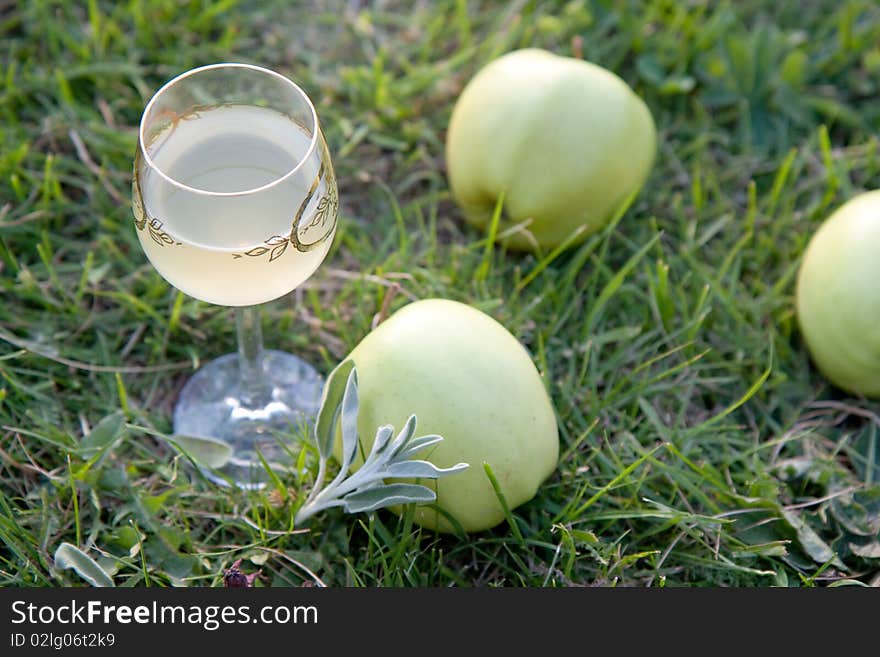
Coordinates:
(403, 437)
(420, 469)
(416, 445)
(365, 489)
(348, 421)
(70, 556)
(325, 425)
(379, 497)
(383, 435)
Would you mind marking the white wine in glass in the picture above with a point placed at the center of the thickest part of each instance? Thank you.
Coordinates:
(235, 203)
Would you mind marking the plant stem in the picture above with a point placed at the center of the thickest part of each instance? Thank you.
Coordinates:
(254, 389)
(319, 480)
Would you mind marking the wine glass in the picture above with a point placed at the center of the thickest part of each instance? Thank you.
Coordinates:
(235, 203)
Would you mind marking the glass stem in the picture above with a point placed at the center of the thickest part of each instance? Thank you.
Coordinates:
(254, 391)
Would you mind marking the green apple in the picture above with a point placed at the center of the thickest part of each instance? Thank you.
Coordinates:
(466, 378)
(565, 141)
(838, 296)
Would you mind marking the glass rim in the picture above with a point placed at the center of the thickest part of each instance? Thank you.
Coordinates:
(230, 65)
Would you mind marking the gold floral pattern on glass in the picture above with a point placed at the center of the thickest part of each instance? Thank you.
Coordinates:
(142, 221)
(303, 236)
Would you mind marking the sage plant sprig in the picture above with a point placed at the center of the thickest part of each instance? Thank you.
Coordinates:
(366, 489)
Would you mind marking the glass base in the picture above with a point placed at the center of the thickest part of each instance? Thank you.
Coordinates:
(210, 406)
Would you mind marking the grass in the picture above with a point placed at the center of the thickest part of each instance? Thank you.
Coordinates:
(699, 446)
